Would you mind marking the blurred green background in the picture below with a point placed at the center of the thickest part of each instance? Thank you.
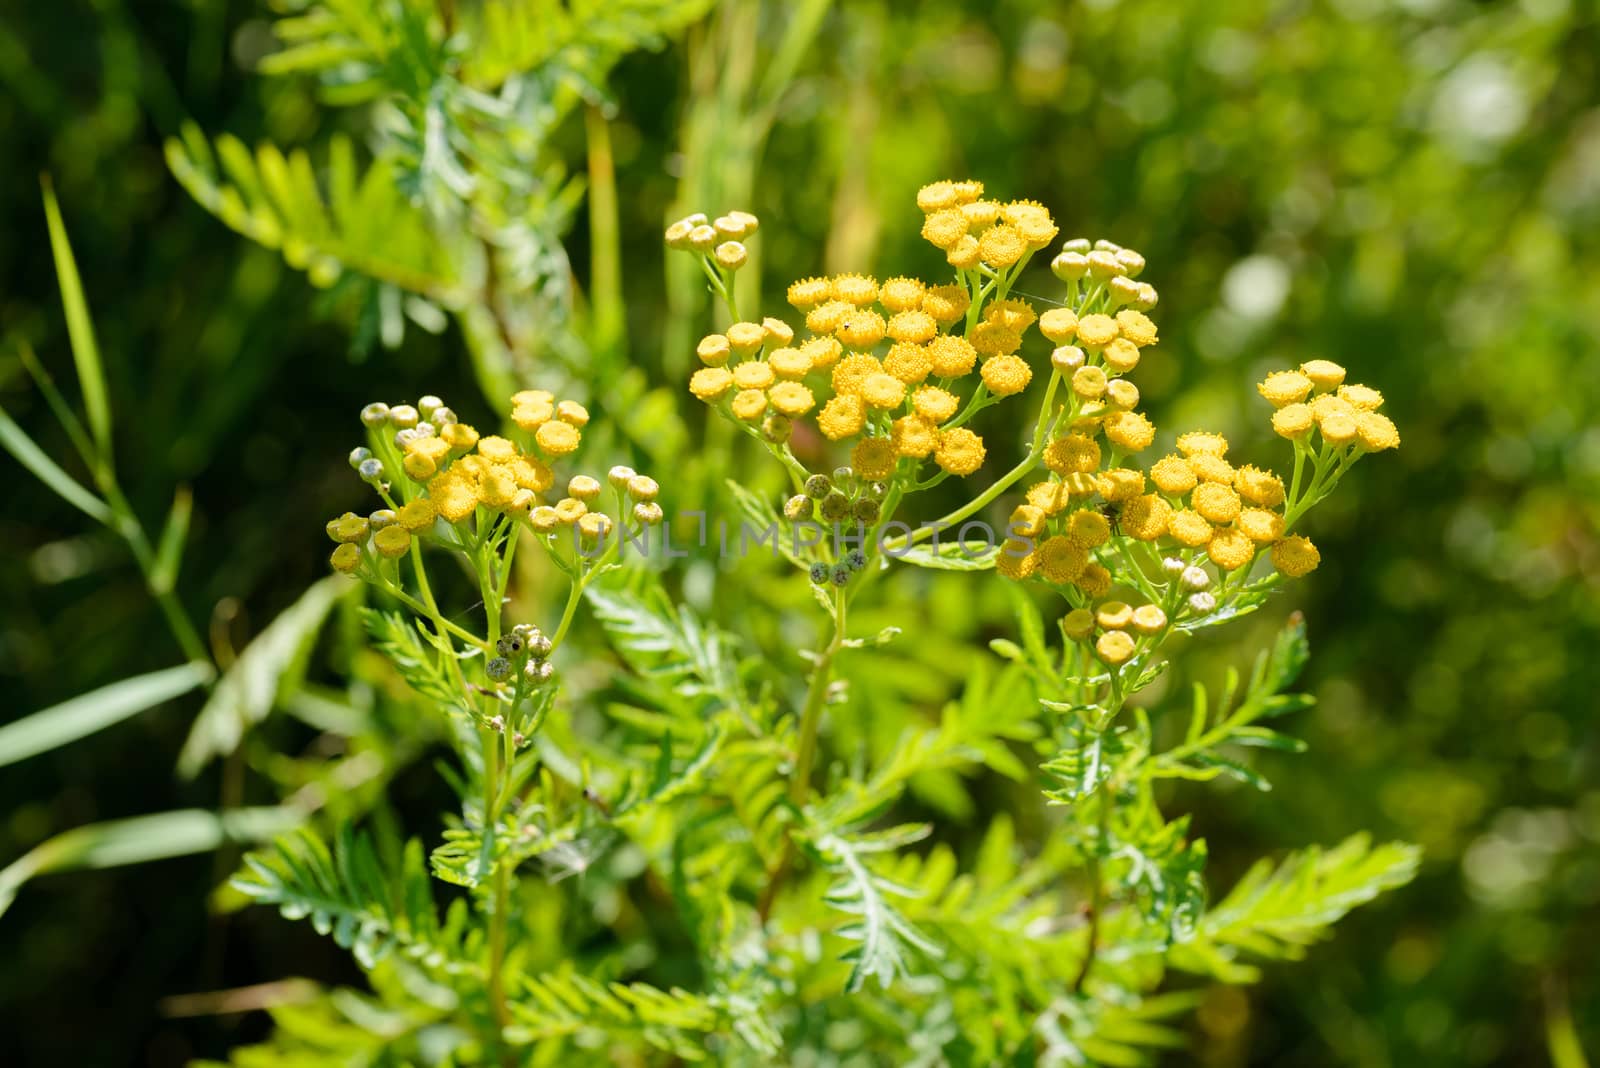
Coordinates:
(1412, 189)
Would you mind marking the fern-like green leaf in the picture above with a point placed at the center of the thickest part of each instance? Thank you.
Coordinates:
(345, 892)
(1276, 911)
(567, 1005)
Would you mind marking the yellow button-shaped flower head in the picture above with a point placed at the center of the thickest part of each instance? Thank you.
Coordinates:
(1006, 375)
(1295, 556)
(557, 438)
(392, 541)
(960, 451)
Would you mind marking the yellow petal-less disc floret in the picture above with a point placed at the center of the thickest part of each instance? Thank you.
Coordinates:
(981, 213)
(746, 339)
(1189, 528)
(1136, 327)
(909, 363)
(1259, 487)
(569, 510)
(902, 294)
(1050, 497)
(1089, 383)
(1231, 549)
(1148, 619)
(1145, 518)
(791, 398)
(1121, 484)
(1324, 373)
(1060, 325)
(994, 339)
(1209, 467)
(788, 363)
(778, 331)
(851, 373)
(1078, 624)
(1121, 355)
(946, 304)
(823, 352)
(461, 437)
(861, 329)
(937, 196)
(1013, 314)
(873, 458)
(713, 350)
(883, 391)
(1088, 528)
(960, 451)
(1295, 556)
(1361, 398)
(1216, 501)
(1095, 581)
(454, 495)
(348, 528)
(914, 436)
(1261, 526)
(1293, 421)
(1285, 387)
(753, 374)
(1131, 430)
(807, 293)
(417, 515)
(1027, 521)
(1377, 432)
(1060, 560)
(496, 449)
(1337, 427)
(1096, 331)
(945, 229)
(1114, 615)
(1173, 475)
(1197, 442)
(842, 416)
(345, 558)
(1002, 245)
(709, 383)
(1006, 375)
(1016, 560)
(556, 439)
(952, 356)
(913, 327)
(530, 474)
(392, 541)
(855, 289)
(935, 404)
(749, 404)
(963, 255)
(1071, 453)
(826, 317)
(1114, 646)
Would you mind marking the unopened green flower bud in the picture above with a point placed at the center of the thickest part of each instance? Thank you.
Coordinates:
(498, 669)
(866, 509)
(427, 405)
(798, 507)
(702, 238)
(1103, 264)
(732, 255)
(1080, 245)
(359, 455)
(818, 487)
(841, 575)
(539, 646)
(1132, 262)
(777, 428)
(619, 476)
(1123, 290)
(403, 416)
(375, 414)
(1069, 266)
(677, 235)
(371, 470)
(649, 513)
(835, 506)
(381, 518)
(855, 559)
(820, 572)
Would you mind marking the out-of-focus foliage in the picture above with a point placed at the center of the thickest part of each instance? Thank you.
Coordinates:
(1411, 189)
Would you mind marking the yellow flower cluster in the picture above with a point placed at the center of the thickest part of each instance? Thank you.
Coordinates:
(1316, 401)
(973, 231)
(721, 240)
(454, 475)
(1115, 626)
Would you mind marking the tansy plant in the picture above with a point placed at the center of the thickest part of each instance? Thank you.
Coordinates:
(672, 862)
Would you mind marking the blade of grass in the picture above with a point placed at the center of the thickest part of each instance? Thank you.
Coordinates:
(141, 839)
(58, 404)
(91, 375)
(16, 441)
(169, 552)
(94, 711)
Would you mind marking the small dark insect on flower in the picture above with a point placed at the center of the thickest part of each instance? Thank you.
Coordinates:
(1113, 513)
